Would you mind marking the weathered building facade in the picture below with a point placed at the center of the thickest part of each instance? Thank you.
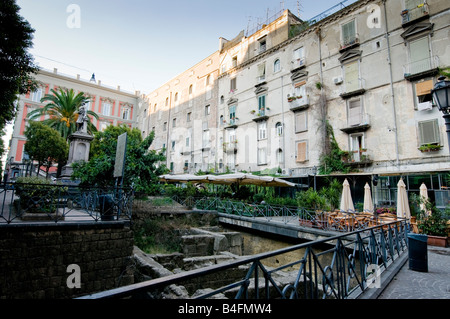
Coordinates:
(364, 73)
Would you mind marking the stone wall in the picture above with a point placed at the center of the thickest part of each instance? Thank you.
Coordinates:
(34, 258)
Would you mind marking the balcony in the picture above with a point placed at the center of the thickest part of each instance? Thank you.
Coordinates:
(357, 159)
(357, 123)
(352, 88)
(349, 43)
(414, 15)
(297, 64)
(230, 147)
(298, 103)
(422, 68)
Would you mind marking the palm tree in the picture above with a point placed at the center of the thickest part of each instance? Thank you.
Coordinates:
(62, 111)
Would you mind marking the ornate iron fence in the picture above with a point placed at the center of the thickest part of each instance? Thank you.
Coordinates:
(55, 202)
(348, 265)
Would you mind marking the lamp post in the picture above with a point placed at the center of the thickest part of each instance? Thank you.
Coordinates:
(441, 96)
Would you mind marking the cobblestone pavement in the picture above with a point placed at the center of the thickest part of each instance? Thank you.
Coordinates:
(434, 284)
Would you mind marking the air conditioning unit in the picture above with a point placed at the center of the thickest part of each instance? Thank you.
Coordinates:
(338, 80)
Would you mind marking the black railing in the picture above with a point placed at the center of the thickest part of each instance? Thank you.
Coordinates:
(338, 267)
(56, 203)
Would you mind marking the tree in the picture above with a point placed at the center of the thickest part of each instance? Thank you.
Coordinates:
(16, 64)
(45, 145)
(142, 165)
(62, 110)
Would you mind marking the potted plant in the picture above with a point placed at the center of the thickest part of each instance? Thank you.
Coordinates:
(434, 225)
(430, 147)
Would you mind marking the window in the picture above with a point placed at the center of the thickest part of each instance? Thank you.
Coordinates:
(187, 141)
(173, 145)
(232, 84)
(277, 66)
(234, 62)
(419, 55)
(174, 122)
(232, 111)
(221, 120)
(167, 101)
(298, 58)
(261, 73)
(106, 108)
(351, 76)
(356, 146)
(354, 112)
(300, 91)
(231, 136)
(262, 131)
(301, 124)
(207, 110)
(301, 152)
(126, 113)
(280, 157)
(261, 105)
(262, 45)
(36, 95)
(279, 129)
(188, 116)
(349, 33)
(423, 98)
(165, 126)
(262, 158)
(429, 132)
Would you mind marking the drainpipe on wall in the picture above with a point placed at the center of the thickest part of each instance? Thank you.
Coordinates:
(391, 84)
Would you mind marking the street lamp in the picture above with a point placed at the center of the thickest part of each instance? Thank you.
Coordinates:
(441, 96)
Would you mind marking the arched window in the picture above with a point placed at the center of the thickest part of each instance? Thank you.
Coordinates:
(277, 65)
(279, 129)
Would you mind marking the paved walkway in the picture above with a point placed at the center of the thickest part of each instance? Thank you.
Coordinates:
(434, 284)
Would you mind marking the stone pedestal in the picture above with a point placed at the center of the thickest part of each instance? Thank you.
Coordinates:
(80, 144)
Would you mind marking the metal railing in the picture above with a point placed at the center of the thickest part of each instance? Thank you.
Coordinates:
(350, 264)
(332, 221)
(56, 203)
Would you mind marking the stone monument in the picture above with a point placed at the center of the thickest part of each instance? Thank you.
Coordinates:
(80, 143)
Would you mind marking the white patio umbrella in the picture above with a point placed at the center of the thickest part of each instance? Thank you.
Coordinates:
(368, 203)
(346, 199)
(402, 201)
(424, 197)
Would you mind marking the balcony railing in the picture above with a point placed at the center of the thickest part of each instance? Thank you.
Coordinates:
(357, 123)
(298, 63)
(63, 203)
(421, 66)
(352, 262)
(415, 13)
(298, 102)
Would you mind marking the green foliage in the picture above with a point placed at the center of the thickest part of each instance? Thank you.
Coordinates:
(62, 110)
(158, 236)
(333, 162)
(16, 64)
(142, 165)
(37, 194)
(435, 224)
(328, 198)
(45, 145)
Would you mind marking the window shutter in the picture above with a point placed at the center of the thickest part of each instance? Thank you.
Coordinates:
(300, 122)
(301, 152)
(351, 73)
(354, 113)
(420, 55)
(424, 88)
(429, 132)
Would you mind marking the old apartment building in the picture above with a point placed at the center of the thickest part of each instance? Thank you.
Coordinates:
(365, 72)
(114, 107)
